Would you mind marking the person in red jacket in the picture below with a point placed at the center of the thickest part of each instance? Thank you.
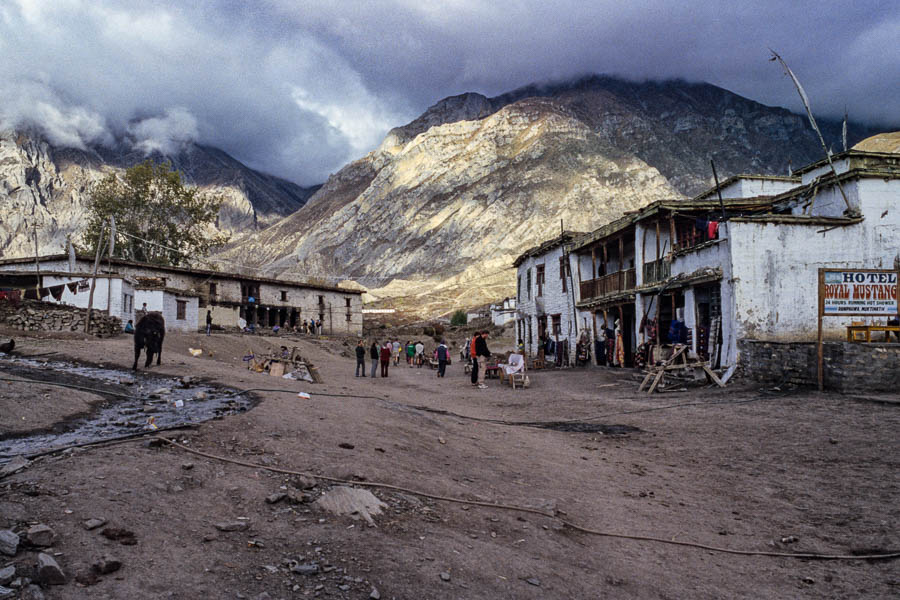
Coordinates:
(386, 352)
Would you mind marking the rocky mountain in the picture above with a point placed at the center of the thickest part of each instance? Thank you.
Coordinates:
(439, 211)
(50, 186)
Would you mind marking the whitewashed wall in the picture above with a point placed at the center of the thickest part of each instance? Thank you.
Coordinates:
(553, 299)
(776, 266)
(166, 303)
(109, 295)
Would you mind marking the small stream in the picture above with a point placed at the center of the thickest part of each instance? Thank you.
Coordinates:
(149, 398)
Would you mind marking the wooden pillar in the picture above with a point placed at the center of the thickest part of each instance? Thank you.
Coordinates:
(671, 234)
(594, 271)
(578, 267)
(657, 244)
(621, 263)
(605, 260)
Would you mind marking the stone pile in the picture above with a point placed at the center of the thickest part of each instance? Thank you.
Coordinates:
(44, 316)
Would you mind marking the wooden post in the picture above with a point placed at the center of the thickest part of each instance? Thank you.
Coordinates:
(621, 263)
(671, 234)
(87, 322)
(819, 350)
(657, 243)
(37, 266)
(605, 260)
(578, 267)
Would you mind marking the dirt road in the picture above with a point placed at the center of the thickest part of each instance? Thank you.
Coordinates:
(737, 468)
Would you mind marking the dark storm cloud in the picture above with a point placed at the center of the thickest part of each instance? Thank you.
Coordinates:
(300, 88)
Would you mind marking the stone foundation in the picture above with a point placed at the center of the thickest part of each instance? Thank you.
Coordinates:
(29, 315)
(849, 367)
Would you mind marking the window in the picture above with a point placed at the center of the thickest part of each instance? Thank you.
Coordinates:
(528, 282)
(212, 290)
(349, 317)
(127, 303)
(519, 288)
(539, 280)
(542, 327)
(283, 296)
(557, 325)
(529, 332)
(180, 310)
(564, 270)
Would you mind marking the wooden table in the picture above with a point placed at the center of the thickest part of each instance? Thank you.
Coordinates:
(868, 329)
(492, 371)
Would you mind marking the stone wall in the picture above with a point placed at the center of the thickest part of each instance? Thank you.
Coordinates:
(849, 367)
(29, 315)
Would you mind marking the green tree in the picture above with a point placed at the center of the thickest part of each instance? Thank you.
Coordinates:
(459, 318)
(158, 219)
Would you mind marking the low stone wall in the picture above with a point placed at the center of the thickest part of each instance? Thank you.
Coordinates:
(849, 367)
(29, 315)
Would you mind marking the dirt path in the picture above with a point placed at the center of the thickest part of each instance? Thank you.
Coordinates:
(736, 468)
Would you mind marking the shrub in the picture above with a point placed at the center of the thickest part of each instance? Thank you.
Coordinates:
(459, 318)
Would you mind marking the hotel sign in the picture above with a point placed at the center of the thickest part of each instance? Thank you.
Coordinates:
(859, 292)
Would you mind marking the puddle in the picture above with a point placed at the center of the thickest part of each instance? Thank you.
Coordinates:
(145, 394)
(576, 427)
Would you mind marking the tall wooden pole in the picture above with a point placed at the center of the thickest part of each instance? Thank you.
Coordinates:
(820, 371)
(37, 266)
(87, 322)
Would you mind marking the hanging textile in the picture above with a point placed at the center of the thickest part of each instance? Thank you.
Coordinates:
(31, 294)
(44, 292)
(713, 229)
(57, 291)
(620, 350)
(73, 287)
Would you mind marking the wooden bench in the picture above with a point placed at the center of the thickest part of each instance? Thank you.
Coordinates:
(867, 330)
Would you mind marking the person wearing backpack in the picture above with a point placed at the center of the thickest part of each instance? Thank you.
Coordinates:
(443, 355)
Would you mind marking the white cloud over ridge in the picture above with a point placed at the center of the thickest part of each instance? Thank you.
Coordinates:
(299, 88)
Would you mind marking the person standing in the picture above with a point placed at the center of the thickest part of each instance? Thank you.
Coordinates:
(208, 322)
(443, 355)
(474, 358)
(410, 352)
(395, 350)
(482, 353)
(386, 351)
(360, 359)
(373, 356)
(420, 354)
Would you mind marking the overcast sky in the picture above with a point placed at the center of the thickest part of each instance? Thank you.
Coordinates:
(299, 88)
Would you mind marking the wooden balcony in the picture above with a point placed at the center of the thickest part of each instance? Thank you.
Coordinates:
(620, 281)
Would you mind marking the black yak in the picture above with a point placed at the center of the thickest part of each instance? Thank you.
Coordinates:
(149, 334)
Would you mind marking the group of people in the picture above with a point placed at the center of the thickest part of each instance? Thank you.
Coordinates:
(310, 327)
(478, 352)
(414, 352)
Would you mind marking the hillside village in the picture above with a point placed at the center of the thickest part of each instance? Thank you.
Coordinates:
(648, 419)
(462, 300)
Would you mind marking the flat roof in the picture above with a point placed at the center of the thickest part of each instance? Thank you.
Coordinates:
(846, 154)
(564, 238)
(190, 271)
(726, 182)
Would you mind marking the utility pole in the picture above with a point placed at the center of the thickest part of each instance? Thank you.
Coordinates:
(37, 266)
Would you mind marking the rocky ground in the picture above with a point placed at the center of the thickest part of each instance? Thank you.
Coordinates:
(740, 468)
